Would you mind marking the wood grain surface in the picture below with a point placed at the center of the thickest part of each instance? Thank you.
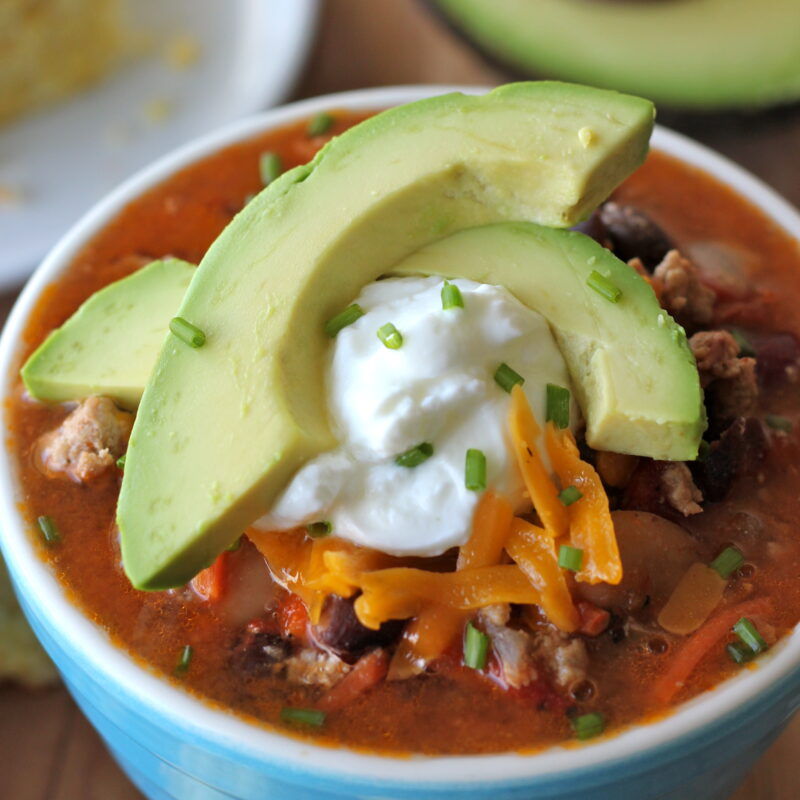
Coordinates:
(47, 749)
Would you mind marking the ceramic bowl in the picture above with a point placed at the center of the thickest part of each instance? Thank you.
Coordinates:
(173, 745)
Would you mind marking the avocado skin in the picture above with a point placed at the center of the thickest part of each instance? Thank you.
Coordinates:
(698, 55)
(221, 430)
(631, 367)
(109, 345)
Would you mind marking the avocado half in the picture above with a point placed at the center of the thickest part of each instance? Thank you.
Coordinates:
(221, 429)
(690, 54)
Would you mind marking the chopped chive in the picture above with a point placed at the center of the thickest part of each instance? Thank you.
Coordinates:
(727, 562)
(557, 405)
(739, 653)
(186, 332)
(778, 423)
(570, 558)
(506, 378)
(184, 660)
(750, 636)
(740, 337)
(304, 716)
(451, 296)
(319, 124)
(475, 471)
(48, 529)
(269, 167)
(703, 449)
(317, 530)
(232, 548)
(415, 456)
(603, 286)
(343, 319)
(476, 647)
(390, 336)
(121, 460)
(570, 495)
(587, 726)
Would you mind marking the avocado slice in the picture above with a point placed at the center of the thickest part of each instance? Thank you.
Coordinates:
(221, 429)
(701, 54)
(631, 367)
(109, 345)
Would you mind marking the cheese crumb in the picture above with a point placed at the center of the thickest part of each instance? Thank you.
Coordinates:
(182, 52)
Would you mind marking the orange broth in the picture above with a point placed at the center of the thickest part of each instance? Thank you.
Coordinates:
(429, 714)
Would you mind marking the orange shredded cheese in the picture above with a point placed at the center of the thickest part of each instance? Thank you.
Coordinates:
(542, 490)
(535, 553)
(590, 525)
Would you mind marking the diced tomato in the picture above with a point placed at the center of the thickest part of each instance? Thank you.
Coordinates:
(594, 620)
(292, 617)
(368, 672)
(210, 582)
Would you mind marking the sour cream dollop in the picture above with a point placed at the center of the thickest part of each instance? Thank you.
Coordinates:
(439, 388)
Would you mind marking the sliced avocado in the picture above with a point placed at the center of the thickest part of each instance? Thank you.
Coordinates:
(221, 429)
(109, 345)
(632, 370)
(685, 53)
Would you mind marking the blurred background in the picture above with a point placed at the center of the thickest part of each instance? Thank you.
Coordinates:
(92, 90)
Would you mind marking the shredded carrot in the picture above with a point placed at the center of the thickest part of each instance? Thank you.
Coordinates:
(542, 490)
(210, 582)
(367, 673)
(293, 616)
(535, 554)
(590, 525)
(700, 644)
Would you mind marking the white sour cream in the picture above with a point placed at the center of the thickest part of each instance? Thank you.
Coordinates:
(438, 387)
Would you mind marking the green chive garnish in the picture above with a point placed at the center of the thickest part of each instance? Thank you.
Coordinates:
(451, 296)
(603, 286)
(740, 337)
(739, 653)
(727, 562)
(269, 167)
(506, 378)
(303, 716)
(750, 636)
(570, 558)
(475, 471)
(557, 405)
(415, 456)
(48, 529)
(570, 495)
(317, 530)
(778, 423)
(319, 124)
(343, 319)
(185, 659)
(390, 336)
(476, 647)
(186, 332)
(232, 548)
(587, 726)
(121, 460)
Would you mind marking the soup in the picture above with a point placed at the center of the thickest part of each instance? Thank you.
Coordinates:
(506, 678)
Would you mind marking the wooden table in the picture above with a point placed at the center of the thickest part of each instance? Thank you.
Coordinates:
(47, 749)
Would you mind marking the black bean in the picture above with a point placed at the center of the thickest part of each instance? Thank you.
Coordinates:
(340, 631)
(739, 451)
(258, 650)
(775, 352)
(634, 235)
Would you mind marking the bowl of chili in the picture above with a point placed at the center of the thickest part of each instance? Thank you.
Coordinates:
(691, 711)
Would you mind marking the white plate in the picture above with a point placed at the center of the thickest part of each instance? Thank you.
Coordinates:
(62, 160)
